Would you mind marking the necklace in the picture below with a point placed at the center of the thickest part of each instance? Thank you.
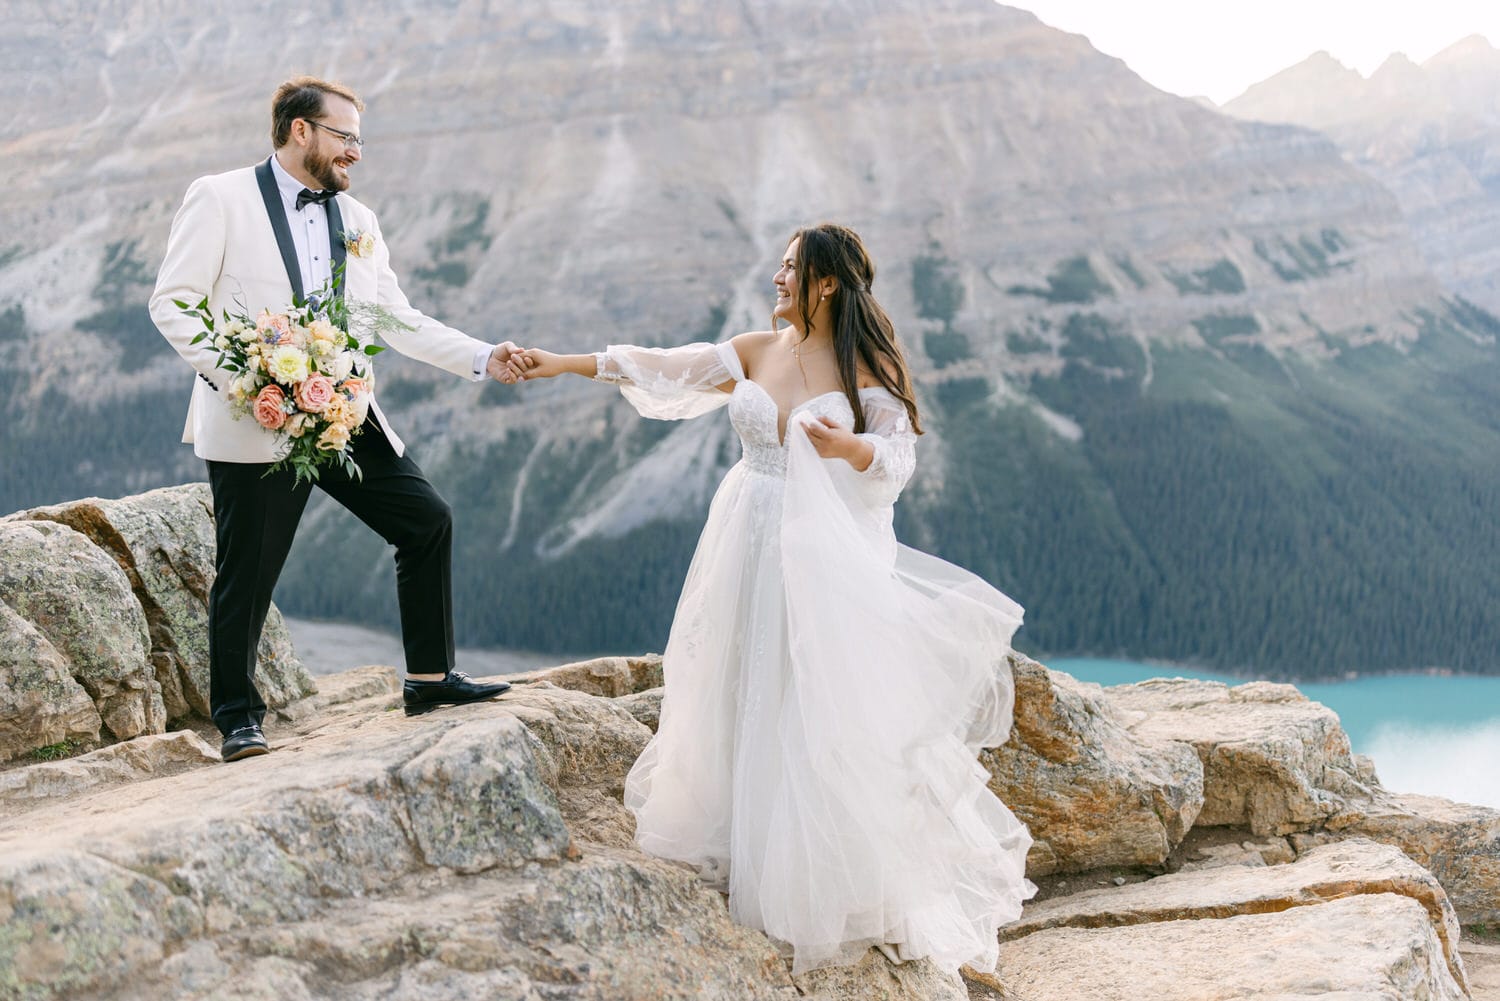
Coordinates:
(797, 350)
(797, 354)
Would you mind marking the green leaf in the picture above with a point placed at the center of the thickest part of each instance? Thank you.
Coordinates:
(182, 305)
(200, 337)
(373, 349)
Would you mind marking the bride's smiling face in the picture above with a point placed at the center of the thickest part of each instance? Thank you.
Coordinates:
(786, 288)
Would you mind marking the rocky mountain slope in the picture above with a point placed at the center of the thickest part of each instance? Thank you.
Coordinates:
(1164, 354)
(1183, 831)
(1430, 133)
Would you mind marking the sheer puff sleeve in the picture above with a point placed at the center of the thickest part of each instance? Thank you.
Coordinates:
(671, 384)
(888, 430)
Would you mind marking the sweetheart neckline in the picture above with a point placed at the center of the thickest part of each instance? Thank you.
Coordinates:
(780, 432)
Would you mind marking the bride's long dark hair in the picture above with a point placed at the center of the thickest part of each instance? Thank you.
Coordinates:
(862, 332)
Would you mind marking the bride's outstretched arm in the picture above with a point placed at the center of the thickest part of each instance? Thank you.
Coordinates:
(546, 365)
(664, 383)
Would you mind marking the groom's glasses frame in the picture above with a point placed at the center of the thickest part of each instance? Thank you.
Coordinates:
(351, 141)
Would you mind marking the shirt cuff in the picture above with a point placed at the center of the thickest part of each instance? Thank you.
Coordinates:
(482, 359)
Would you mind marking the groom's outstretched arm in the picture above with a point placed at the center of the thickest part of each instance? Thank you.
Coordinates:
(428, 340)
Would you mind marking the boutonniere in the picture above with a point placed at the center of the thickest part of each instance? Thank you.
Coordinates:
(359, 243)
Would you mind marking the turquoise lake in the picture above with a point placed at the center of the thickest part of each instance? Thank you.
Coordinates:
(1427, 734)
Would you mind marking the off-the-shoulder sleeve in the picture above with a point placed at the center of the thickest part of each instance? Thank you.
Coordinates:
(671, 384)
(888, 429)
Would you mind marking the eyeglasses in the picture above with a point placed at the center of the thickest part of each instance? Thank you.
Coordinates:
(351, 141)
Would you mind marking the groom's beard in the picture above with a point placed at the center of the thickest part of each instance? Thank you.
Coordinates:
(321, 169)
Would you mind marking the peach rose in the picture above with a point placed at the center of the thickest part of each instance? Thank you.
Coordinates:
(268, 408)
(335, 438)
(340, 411)
(321, 330)
(314, 393)
(280, 323)
(354, 385)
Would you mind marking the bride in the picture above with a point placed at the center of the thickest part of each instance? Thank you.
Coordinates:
(827, 689)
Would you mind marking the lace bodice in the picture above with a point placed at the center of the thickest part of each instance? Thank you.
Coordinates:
(676, 383)
(755, 418)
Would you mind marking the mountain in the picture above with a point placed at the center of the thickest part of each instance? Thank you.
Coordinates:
(1194, 392)
(1430, 133)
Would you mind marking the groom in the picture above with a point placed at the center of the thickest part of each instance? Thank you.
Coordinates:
(256, 237)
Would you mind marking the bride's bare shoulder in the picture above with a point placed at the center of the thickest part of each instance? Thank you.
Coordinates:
(750, 345)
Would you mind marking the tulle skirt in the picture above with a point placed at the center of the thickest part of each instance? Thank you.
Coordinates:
(827, 691)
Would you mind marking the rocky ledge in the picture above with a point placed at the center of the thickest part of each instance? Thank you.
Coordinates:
(104, 622)
(1193, 841)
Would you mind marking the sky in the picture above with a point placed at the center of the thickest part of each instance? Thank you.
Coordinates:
(1217, 49)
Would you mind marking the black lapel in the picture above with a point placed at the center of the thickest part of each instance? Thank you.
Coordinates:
(336, 241)
(271, 195)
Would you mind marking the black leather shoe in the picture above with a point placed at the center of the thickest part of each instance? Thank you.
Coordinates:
(455, 690)
(244, 742)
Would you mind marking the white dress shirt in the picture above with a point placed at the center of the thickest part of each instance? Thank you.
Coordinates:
(309, 226)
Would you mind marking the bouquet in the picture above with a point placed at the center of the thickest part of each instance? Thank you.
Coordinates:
(298, 374)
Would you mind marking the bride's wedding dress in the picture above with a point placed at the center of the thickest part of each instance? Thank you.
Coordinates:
(827, 690)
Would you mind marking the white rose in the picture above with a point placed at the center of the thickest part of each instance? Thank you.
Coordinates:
(242, 387)
(361, 407)
(341, 366)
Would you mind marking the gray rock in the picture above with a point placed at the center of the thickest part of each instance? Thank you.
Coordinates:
(1325, 873)
(356, 685)
(585, 747)
(483, 851)
(1458, 842)
(876, 979)
(74, 922)
(1092, 793)
(164, 542)
(477, 800)
(608, 676)
(1369, 946)
(644, 706)
(80, 601)
(40, 702)
(135, 760)
(377, 856)
(1273, 760)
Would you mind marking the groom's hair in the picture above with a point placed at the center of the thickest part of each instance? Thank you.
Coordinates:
(302, 97)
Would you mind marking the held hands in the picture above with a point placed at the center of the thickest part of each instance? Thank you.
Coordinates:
(507, 363)
(511, 364)
(834, 441)
(543, 364)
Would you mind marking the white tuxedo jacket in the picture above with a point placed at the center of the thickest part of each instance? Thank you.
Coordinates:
(223, 246)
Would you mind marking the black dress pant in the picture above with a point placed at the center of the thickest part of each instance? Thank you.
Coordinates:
(257, 517)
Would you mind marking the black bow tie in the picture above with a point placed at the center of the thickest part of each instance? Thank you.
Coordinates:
(304, 196)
